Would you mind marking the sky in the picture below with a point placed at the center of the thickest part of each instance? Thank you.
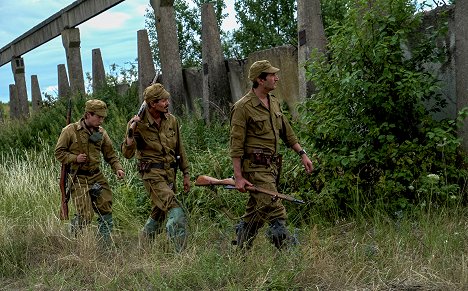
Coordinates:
(114, 32)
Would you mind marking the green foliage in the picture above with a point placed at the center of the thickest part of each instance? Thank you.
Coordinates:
(188, 19)
(24, 134)
(374, 137)
(264, 24)
(334, 11)
(4, 108)
(369, 126)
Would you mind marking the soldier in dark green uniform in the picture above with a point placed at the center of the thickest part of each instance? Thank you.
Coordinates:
(159, 149)
(257, 125)
(81, 144)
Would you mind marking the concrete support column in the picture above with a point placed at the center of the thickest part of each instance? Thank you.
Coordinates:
(216, 89)
(311, 35)
(146, 71)
(71, 42)
(35, 94)
(63, 85)
(122, 89)
(461, 64)
(14, 103)
(99, 74)
(17, 66)
(169, 54)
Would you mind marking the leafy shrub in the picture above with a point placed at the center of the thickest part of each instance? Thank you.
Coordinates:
(374, 138)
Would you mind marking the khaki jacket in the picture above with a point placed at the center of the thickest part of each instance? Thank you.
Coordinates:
(153, 145)
(253, 126)
(68, 148)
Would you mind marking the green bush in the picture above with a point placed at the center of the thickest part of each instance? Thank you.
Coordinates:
(369, 123)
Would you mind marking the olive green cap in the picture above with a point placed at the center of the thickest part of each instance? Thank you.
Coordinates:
(97, 107)
(155, 92)
(259, 67)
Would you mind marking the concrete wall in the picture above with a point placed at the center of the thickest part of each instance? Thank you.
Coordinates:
(445, 71)
(284, 57)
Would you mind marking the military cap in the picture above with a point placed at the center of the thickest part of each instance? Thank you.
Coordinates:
(155, 92)
(259, 67)
(97, 107)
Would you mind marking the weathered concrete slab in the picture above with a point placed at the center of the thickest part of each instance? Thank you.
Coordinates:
(71, 16)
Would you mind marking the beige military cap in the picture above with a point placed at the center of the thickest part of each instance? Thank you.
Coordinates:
(97, 107)
(259, 67)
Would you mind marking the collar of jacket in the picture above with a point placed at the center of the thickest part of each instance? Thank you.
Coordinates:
(151, 119)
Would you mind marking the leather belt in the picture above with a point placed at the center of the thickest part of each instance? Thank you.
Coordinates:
(162, 165)
(88, 172)
(262, 158)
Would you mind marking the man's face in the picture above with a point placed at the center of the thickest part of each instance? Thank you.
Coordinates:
(162, 105)
(94, 120)
(270, 81)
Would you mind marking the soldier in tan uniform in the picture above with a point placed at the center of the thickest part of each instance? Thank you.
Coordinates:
(81, 144)
(160, 152)
(257, 125)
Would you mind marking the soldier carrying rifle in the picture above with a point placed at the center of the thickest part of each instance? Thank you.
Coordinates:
(80, 145)
(155, 137)
(257, 125)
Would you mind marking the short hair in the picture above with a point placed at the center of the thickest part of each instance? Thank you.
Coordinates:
(262, 76)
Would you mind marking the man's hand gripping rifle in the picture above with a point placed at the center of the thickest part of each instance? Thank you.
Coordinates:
(132, 126)
(229, 183)
(140, 112)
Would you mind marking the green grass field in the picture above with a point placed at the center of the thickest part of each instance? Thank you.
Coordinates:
(427, 252)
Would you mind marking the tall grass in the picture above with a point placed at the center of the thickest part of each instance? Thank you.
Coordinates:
(426, 251)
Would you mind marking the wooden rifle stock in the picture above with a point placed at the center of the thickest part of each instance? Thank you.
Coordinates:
(229, 183)
(63, 189)
(133, 125)
(64, 171)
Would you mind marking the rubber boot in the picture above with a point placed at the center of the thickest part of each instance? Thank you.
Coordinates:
(279, 235)
(76, 225)
(150, 229)
(105, 225)
(175, 227)
(245, 235)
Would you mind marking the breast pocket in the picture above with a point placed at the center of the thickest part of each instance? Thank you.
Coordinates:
(171, 138)
(150, 139)
(279, 121)
(260, 125)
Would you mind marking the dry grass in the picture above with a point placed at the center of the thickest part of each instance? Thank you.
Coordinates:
(36, 253)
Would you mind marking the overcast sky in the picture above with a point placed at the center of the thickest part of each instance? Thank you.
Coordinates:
(114, 32)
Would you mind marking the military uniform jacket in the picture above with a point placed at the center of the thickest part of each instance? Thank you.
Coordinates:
(253, 126)
(68, 148)
(157, 145)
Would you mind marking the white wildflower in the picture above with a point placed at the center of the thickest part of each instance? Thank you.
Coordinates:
(433, 177)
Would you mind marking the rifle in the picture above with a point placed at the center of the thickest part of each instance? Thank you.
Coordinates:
(133, 125)
(141, 110)
(64, 171)
(229, 183)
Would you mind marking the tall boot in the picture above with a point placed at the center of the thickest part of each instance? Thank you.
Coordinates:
(245, 233)
(105, 225)
(76, 225)
(279, 235)
(150, 229)
(175, 227)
